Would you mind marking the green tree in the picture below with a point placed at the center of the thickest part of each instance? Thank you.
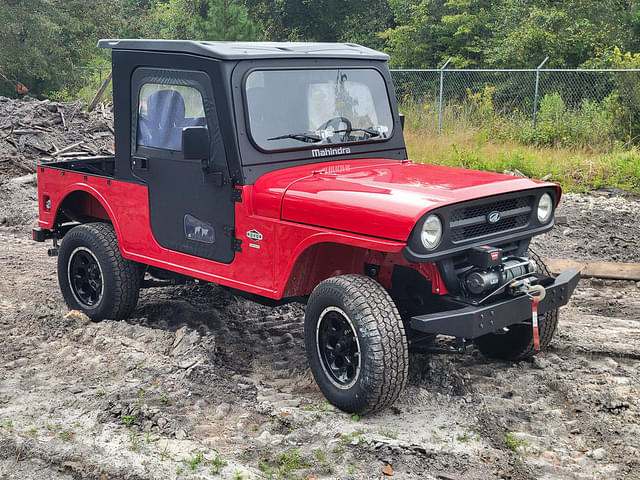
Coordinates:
(223, 20)
(431, 31)
(41, 40)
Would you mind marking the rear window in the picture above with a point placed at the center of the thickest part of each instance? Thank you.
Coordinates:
(163, 111)
(291, 109)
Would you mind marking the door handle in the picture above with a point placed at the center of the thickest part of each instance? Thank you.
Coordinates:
(139, 163)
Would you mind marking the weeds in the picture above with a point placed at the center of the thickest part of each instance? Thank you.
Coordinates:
(389, 434)
(283, 466)
(133, 442)
(320, 455)
(128, 420)
(195, 461)
(216, 464)
(513, 443)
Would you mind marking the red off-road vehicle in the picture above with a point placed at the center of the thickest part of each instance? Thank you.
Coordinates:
(279, 170)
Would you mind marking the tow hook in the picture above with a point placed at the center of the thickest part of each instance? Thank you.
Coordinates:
(535, 299)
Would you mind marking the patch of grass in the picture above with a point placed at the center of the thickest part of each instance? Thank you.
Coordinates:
(463, 438)
(290, 460)
(513, 443)
(128, 420)
(338, 450)
(575, 169)
(283, 466)
(164, 398)
(193, 463)
(133, 442)
(217, 464)
(66, 436)
(389, 434)
(321, 455)
(355, 417)
(9, 424)
(237, 476)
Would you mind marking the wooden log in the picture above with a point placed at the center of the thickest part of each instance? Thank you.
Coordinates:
(74, 154)
(610, 270)
(96, 99)
(67, 148)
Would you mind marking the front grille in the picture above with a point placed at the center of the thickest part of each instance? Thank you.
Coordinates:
(471, 222)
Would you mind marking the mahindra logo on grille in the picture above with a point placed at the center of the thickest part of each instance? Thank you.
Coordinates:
(493, 217)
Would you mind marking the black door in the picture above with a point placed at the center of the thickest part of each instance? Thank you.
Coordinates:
(191, 205)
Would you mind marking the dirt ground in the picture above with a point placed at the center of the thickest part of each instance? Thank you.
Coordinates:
(202, 385)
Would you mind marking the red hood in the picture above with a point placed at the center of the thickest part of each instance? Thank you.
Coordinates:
(376, 197)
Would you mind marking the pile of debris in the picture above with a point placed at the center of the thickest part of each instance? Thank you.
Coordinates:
(33, 131)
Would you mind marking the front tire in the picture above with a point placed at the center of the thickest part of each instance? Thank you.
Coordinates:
(356, 344)
(94, 277)
(517, 343)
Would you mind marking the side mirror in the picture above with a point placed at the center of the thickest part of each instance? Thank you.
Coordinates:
(402, 121)
(196, 143)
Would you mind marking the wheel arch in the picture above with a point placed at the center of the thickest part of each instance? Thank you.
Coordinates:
(325, 259)
(83, 204)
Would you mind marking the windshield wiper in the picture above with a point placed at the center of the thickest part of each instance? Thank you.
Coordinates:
(372, 133)
(303, 137)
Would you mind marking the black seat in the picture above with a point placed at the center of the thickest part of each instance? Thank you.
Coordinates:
(161, 125)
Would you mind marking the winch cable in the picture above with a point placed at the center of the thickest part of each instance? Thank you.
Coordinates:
(501, 288)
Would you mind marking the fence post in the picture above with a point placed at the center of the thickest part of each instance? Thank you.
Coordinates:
(535, 98)
(441, 90)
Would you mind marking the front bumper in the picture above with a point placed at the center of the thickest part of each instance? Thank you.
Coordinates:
(475, 321)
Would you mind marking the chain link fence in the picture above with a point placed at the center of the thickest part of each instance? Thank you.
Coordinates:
(584, 104)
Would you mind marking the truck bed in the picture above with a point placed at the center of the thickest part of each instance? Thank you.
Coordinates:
(98, 166)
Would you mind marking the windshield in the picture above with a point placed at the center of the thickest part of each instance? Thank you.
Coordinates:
(295, 108)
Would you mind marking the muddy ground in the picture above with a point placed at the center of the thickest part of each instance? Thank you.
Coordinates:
(198, 375)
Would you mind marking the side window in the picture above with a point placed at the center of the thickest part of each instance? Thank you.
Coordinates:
(163, 110)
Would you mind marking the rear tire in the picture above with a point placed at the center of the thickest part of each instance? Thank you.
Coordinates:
(356, 344)
(517, 343)
(94, 277)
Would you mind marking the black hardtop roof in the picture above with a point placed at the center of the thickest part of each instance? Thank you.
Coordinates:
(249, 50)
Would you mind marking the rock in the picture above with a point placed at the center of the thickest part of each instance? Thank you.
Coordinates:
(264, 439)
(387, 470)
(162, 422)
(77, 316)
(181, 434)
(222, 411)
(598, 454)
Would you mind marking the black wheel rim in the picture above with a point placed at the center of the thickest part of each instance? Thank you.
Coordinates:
(338, 347)
(85, 277)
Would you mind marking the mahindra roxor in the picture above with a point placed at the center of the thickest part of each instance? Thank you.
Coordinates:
(279, 170)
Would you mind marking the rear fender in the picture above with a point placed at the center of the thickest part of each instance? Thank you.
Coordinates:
(82, 203)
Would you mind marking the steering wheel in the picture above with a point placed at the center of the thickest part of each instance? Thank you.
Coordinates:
(337, 121)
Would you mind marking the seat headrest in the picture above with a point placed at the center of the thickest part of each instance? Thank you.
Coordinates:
(166, 108)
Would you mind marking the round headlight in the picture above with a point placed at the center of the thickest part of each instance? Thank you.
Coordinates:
(431, 232)
(545, 208)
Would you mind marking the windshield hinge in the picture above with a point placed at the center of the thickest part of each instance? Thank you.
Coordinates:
(236, 195)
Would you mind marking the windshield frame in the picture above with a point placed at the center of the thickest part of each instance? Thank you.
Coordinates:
(311, 146)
